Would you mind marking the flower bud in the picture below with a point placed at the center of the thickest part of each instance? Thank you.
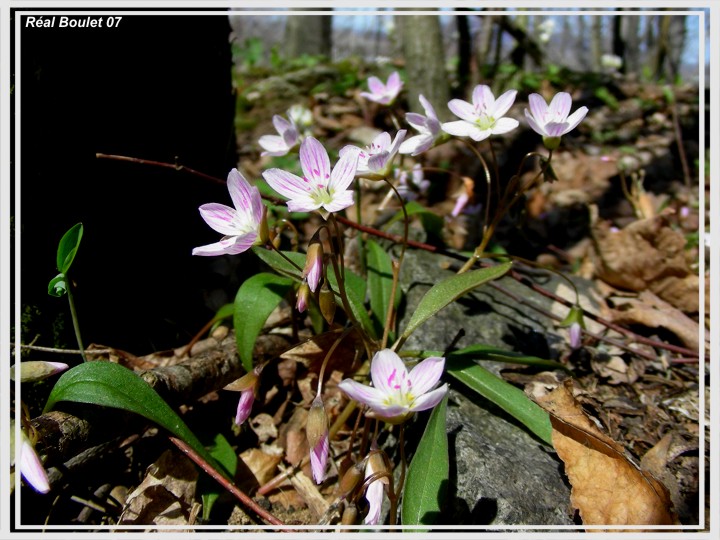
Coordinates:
(350, 480)
(313, 264)
(349, 515)
(575, 336)
(263, 230)
(317, 435)
(327, 303)
(303, 297)
(37, 370)
(317, 422)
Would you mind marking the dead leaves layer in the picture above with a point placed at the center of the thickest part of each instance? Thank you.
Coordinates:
(607, 488)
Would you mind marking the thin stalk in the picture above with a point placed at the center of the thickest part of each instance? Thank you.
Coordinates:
(76, 323)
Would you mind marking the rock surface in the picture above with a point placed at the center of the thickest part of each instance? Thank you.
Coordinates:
(500, 474)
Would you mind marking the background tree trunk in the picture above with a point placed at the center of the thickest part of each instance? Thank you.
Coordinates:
(596, 45)
(631, 54)
(424, 54)
(464, 53)
(308, 34)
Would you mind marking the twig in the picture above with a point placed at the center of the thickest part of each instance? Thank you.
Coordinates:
(55, 350)
(175, 166)
(225, 483)
(687, 353)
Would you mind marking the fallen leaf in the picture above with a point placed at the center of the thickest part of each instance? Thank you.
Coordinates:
(262, 465)
(166, 494)
(607, 488)
(647, 254)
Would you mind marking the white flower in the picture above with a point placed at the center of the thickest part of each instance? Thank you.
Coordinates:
(428, 126)
(397, 393)
(240, 224)
(281, 144)
(382, 93)
(374, 161)
(320, 188)
(482, 118)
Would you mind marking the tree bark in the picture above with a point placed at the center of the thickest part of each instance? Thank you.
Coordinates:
(308, 34)
(424, 54)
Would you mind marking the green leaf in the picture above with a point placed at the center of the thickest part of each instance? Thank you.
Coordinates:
(256, 298)
(486, 352)
(509, 398)
(111, 385)
(431, 222)
(450, 289)
(225, 312)
(354, 284)
(226, 456)
(57, 286)
(69, 244)
(380, 278)
(427, 476)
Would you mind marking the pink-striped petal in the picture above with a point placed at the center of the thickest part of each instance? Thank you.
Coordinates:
(340, 201)
(274, 145)
(556, 129)
(503, 125)
(241, 192)
(394, 84)
(281, 125)
(286, 184)
(430, 399)
(540, 130)
(344, 171)
(483, 98)
(538, 108)
(459, 128)
(575, 118)
(387, 371)
(367, 395)
(31, 467)
(504, 102)
(462, 109)
(560, 106)
(303, 203)
(220, 218)
(426, 374)
(429, 109)
(245, 403)
(318, 459)
(314, 161)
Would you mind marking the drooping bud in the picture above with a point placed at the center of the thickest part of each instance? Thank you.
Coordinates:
(575, 336)
(37, 370)
(303, 297)
(317, 435)
(351, 479)
(30, 466)
(374, 492)
(326, 299)
(247, 386)
(349, 515)
(313, 264)
(263, 229)
(575, 321)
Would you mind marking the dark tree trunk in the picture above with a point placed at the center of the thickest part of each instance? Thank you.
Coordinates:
(424, 54)
(464, 53)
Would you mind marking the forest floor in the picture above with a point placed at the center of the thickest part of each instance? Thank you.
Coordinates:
(634, 235)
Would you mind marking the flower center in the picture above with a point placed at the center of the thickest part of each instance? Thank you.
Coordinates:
(401, 390)
(485, 121)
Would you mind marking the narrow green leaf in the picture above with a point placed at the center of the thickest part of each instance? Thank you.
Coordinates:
(68, 246)
(278, 263)
(226, 456)
(256, 298)
(379, 272)
(354, 285)
(57, 286)
(486, 352)
(509, 398)
(427, 477)
(450, 289)
(111, 385)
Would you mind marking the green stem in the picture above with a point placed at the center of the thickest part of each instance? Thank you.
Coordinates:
(76, 323)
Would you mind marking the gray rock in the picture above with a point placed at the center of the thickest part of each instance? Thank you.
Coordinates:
(500, 474)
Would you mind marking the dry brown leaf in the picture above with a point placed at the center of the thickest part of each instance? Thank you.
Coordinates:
(166, 495)
(647, 254)
(607, 488)
(263, 466)
(649, 310)
(312, 352)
